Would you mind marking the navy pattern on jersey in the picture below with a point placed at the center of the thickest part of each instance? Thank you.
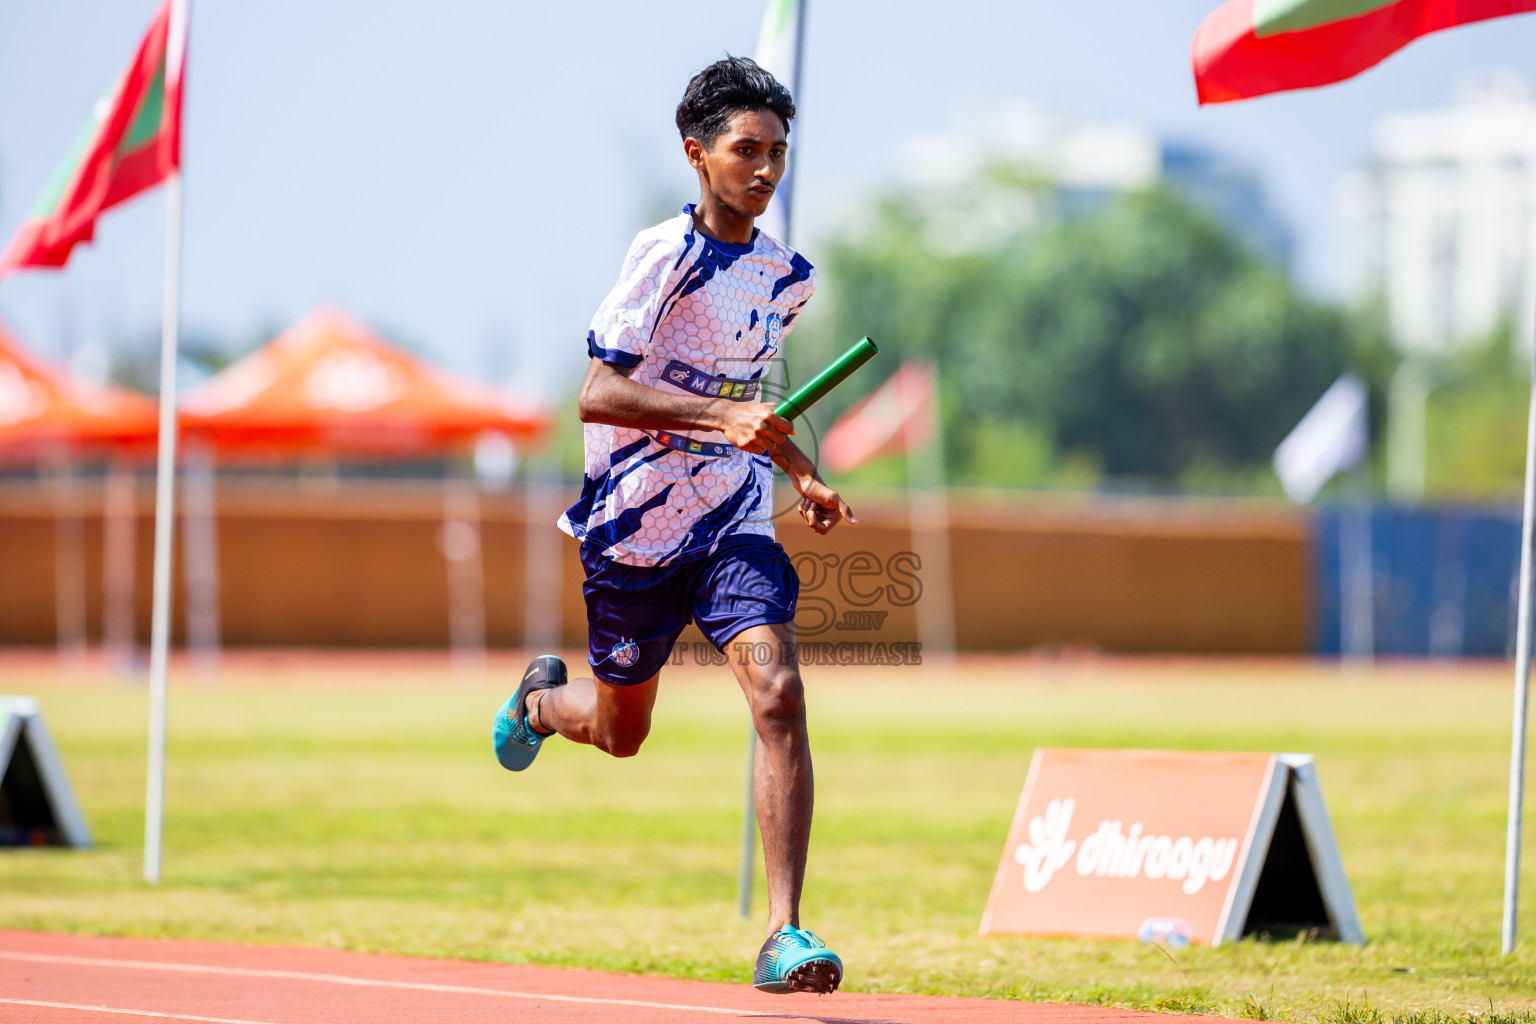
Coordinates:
(724, 310)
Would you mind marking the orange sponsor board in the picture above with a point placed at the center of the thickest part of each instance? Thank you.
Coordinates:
(1108, 841)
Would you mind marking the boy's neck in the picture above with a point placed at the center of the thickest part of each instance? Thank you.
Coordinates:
(720, 222)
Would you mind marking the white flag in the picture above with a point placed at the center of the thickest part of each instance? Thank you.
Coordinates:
(1330, 438)
(778, 53)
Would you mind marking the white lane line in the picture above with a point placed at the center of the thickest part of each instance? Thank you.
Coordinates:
(344, 979)
(130, 1013)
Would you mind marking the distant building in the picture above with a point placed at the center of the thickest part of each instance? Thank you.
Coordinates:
(1228, 191)
(1078, 165)
(1438, 226)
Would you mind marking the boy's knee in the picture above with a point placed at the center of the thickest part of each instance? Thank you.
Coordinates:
(622, 739)
(622, 747)
(780, 697)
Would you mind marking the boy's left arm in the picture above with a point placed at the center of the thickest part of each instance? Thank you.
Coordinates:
(820, 506)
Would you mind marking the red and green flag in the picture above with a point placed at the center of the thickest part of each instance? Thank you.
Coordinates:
(1252, 47)
(132, 143)
(900, 415)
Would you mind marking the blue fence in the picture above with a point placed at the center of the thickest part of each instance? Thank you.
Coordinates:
(1444, 581)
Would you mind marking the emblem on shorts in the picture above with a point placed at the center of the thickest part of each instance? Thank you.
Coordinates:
(625, 653)
(773, 327)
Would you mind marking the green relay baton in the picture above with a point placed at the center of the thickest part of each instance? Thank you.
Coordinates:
(819, 386)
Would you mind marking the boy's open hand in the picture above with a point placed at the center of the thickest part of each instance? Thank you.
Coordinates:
(822, 508)
(753, 426)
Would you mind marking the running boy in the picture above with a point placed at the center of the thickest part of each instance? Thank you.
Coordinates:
(675, 512)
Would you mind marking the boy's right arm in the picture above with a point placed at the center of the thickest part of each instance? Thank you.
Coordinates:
(609, 396)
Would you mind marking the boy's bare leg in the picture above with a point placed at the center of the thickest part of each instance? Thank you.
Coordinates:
(614, 719)
(782, 780)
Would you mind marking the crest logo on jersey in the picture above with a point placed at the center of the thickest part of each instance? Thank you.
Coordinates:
(625, 653)
(773, 327)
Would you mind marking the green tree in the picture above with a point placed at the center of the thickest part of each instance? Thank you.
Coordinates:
(1140, 338)
(1475, 421)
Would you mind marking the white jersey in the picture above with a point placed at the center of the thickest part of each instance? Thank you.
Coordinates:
(689, 315)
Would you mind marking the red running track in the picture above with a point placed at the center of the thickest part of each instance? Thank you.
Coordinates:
(79, 978)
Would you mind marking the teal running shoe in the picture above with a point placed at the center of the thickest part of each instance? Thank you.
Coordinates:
(516, 742)
(795, 960)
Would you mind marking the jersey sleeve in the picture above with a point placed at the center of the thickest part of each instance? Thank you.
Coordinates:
(798, 295)
(622, 326)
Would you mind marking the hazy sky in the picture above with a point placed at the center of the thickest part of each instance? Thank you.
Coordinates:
(466, 173)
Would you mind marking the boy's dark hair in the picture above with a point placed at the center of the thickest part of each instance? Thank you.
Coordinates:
(724, 89)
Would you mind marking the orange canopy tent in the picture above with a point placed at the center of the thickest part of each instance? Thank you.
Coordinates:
(47, 417)
(329, 384)
(43, 411)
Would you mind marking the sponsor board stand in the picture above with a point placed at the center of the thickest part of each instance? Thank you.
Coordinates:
(37, 807)
(1171, 846)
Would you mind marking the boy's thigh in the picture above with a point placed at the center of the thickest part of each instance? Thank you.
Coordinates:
(634, 615)
(743, 586)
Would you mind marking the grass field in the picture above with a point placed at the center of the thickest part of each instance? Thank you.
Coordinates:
(357, 805)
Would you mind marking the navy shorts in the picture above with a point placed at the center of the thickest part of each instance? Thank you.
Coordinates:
(635, 612)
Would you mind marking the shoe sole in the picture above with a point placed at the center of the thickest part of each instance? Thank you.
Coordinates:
(819, 976)
(514, 756)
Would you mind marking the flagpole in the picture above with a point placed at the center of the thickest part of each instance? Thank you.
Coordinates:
(744, 865)
(787, 186)
(165, 498)
(785, 197)
(928, 522)
(1512, 839)
(1357, 599)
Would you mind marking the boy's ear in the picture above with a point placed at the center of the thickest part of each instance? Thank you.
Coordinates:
(694, 150)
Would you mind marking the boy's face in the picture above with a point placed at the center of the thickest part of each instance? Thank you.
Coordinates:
(745, 164)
